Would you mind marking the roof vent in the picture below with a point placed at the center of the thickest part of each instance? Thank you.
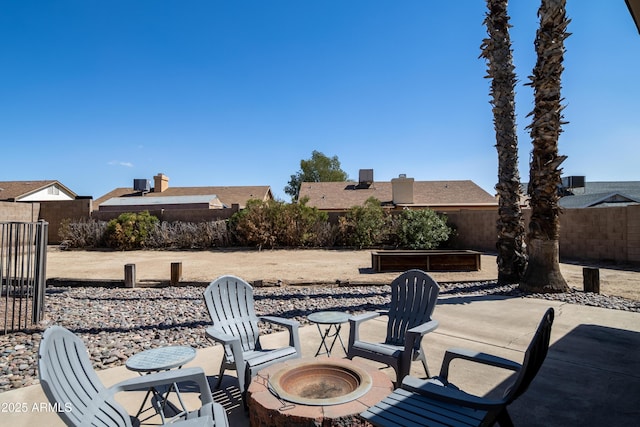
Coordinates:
(142, 185)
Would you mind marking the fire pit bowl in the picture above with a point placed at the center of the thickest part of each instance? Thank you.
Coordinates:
(320, 383)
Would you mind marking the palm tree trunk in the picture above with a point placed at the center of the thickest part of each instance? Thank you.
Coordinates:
(496, 49)
(543, 270)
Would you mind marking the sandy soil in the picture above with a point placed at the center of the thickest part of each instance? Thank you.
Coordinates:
(292, 267)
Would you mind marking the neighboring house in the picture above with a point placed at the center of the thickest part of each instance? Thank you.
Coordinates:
(399, 193)
(50, 201)
(578, 193)
(162, 197)
(34, 191)
(141, 203)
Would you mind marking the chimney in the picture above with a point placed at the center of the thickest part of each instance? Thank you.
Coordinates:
(402, 190)
(161, 183)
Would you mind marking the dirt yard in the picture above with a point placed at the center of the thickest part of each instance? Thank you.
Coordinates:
(292, 267)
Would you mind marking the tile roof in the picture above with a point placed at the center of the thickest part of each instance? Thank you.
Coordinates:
(343, 195)
(12, 190)
(598, 199)
(598, 193)
(595, 187)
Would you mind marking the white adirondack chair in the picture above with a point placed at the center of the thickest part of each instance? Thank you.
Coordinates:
(413, 298)
(71, 384)
(235, 325)
(437, 402)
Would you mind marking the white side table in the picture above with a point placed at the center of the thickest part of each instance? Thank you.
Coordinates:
(333, 321)
(156, 360)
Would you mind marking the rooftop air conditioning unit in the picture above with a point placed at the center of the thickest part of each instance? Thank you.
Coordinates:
(573, 181)
(365, 177)
(142, 185)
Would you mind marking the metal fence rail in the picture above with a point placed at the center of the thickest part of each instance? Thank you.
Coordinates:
(23, 260)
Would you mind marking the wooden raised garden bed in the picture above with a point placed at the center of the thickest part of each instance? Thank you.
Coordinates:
(427, 260)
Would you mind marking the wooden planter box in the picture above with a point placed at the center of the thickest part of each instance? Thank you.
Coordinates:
(427, 260)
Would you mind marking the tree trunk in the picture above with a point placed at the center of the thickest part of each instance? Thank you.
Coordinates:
(496, 49)
(543, 269)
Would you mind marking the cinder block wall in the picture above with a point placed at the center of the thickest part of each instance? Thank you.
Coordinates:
(604, 234)
(54, 212)
(633, 233)
(23, 212)
(597, 233)
(473, 229)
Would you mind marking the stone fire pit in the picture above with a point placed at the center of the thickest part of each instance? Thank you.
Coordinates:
(315, 392)
(321, 383)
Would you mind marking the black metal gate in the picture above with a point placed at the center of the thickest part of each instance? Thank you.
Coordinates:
(23, 261)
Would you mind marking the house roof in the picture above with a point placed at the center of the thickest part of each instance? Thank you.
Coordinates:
(598, 199)
(599, 193)
(344, 195)
(602, 193)
(210, 199)
(628, 187)
(228, 195)
(16, 190)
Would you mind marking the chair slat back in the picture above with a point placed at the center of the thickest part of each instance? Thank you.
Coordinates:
(230, 303)
(413, 298)
(71, 384)
(533, 357)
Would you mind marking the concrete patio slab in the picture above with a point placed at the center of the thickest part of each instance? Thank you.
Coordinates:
(591, 376)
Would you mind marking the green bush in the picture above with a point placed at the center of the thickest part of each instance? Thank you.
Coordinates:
(130, 230)
(270, 224)
(265, 224)
(364, 226)
(420, 229)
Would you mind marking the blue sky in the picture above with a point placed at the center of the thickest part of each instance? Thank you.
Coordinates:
(97, 93)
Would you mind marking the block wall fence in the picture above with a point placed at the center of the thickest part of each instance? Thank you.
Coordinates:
(23, 212)
(599, 234)
(602, 234)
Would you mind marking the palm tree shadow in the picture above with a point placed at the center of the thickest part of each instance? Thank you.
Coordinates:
(468, 299)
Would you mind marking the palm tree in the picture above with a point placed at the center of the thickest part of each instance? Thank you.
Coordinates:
(496, 49)
(543, 269)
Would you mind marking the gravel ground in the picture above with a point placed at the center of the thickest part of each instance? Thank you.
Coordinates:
(116, 323)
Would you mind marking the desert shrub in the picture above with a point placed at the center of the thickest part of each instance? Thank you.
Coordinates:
(130, 230)
(324, 235)
(82, 233)
(252, 225)
(269, 224)
(420, 229)
(211, 234)
(188, 235)
(364, 226)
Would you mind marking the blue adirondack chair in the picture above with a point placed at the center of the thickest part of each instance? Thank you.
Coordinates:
(71, 384)
(413, 298)
(437, 402)
(230, 303)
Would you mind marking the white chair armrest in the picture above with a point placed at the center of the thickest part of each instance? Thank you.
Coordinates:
(195, 375)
